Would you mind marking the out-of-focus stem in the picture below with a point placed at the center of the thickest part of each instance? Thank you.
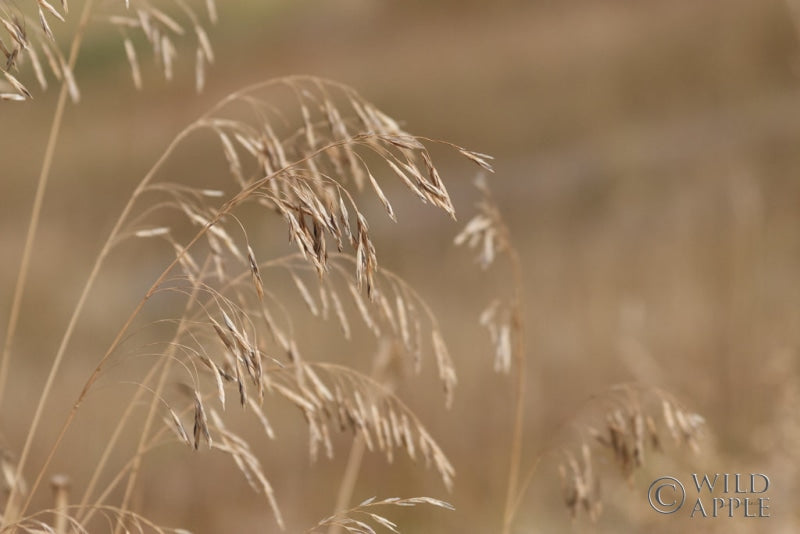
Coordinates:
(41, 187)
(357, 450)
(519, 393)
(60, 486)
(36, 210)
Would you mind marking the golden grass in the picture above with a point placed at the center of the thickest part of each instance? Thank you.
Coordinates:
(305, 175)
(308, 153)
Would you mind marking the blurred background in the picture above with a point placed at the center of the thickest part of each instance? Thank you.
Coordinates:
(647, 165)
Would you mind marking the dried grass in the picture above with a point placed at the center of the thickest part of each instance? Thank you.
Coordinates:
(633, 427)
(630, 426)
(308, 166)
(235, 333)
(359, 519)
(28, 32)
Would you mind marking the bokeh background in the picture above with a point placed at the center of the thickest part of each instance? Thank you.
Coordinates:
(647, 164)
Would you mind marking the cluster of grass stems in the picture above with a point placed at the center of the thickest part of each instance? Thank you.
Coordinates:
(306, 168)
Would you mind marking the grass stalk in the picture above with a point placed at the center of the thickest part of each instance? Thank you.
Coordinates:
(226, 208)
(357, 450)
(36, 210)
(162, 381)
(519, 392)
(57, 360)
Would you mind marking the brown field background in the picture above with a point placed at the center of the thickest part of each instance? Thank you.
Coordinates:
(647, 158)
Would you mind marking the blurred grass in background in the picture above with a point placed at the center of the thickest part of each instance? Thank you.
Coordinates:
(647, 163)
